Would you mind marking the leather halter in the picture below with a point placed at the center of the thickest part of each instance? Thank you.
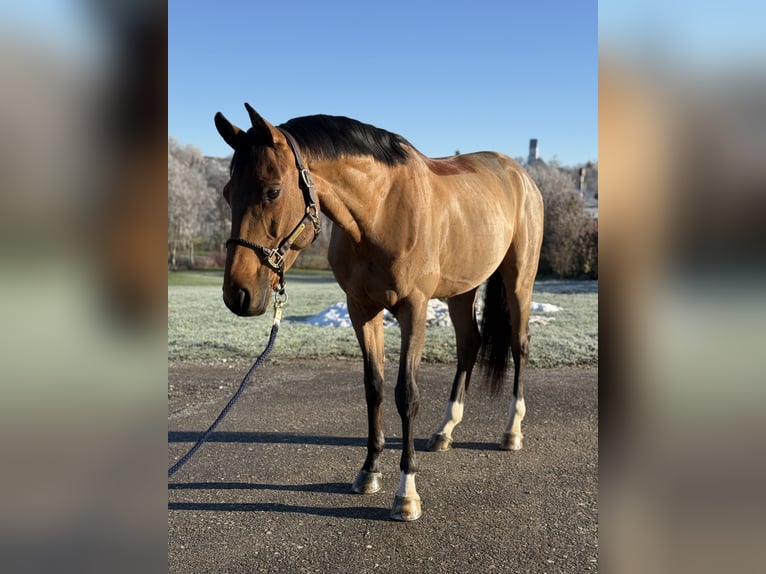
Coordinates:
(274, 259)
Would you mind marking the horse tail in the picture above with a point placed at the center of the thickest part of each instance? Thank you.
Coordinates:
(495, 350)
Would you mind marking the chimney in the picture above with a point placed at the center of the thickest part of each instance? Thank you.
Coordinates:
(582, 181)
(533, 151)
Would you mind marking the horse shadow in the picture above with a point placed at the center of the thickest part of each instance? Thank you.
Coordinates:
(360, 512)
(421, 444)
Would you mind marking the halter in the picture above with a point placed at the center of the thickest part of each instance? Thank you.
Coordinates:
(274, 259)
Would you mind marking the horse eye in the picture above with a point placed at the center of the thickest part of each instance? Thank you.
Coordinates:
(273, 193)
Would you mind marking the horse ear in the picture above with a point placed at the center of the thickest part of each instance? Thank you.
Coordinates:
(229, 132)
(263, 129)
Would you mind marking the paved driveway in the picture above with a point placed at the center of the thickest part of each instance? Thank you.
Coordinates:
(271, 492)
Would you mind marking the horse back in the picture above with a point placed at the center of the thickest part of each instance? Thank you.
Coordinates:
(445, 225)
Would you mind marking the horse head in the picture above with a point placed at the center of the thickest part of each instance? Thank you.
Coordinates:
(266, 201)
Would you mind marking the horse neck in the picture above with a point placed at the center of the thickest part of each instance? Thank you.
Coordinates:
(349, 192)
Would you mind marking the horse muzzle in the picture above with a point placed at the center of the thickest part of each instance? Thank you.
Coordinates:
(246, 302)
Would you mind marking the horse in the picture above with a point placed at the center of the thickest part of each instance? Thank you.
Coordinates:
(408, 228)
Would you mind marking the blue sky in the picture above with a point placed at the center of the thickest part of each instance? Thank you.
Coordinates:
(468, 75)
(447, 75)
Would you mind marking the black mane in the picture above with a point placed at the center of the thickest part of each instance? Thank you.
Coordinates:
(332, 137)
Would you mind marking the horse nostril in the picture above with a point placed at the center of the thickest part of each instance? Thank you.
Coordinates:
(243, 298)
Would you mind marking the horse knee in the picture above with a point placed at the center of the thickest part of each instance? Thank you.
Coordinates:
(520, 346)
(407, 400)
(373, 392)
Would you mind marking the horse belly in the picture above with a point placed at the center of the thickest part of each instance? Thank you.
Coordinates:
(475, 241)
(459, 279)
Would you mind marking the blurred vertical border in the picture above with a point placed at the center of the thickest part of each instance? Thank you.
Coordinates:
(682, 152)
(83, 285)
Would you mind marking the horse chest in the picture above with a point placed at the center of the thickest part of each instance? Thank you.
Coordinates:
(366, 280)
(373, 275)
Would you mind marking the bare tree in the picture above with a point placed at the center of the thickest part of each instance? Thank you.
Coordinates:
(186, 198)
(217, 220)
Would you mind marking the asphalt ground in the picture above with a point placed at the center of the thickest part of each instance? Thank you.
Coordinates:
(271, 491)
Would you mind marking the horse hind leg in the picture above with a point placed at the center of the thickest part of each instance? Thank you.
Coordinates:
(461, 310)
(513, 438)
(519, 270)
(519, 299)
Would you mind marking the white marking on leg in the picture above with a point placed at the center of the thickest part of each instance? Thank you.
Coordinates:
(407, 487)
(453, 414)
(516, 412)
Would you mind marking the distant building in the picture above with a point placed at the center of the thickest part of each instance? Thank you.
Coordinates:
(534, 151)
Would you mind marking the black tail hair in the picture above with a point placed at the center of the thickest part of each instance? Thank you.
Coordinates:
(495, 351)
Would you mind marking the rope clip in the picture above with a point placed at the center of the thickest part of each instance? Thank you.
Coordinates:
(280, 299)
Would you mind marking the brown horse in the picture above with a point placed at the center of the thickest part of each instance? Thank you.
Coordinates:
(407, 229)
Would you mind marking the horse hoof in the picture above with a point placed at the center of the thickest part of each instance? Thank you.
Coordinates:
(439, 442)
(367, 482)
(511, 442)
(405, 509)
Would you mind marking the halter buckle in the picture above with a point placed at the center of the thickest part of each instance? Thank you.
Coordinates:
(275, 259)
(312, 212)
(306, 178)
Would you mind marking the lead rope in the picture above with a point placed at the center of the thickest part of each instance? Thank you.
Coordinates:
(280, 298)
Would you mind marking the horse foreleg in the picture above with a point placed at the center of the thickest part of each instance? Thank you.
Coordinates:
(411, 315)
(368, 325)
(461, 310)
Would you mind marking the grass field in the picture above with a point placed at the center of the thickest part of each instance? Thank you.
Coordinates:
(201, 327)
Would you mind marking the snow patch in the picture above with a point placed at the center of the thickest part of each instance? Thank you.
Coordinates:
(544, 308)
(437, 315)
(334, 316)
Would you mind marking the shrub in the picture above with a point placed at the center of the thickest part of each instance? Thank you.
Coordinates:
(588, 249)
(564, 220)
